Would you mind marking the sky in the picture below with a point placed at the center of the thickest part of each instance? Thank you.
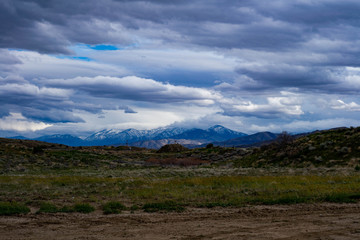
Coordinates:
(78, 67)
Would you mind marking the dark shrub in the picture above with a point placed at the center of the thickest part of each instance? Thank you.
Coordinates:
(113, 207)
(210, 145)
(13, 208)
(38, 150)
(83, 208)
(47, 208)
(167, 206)
(171, 148)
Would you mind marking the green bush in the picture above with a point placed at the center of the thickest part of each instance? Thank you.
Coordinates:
(134, 208)
(113, 207)
(167, 206)
(47, 208)
(83, 208)
(210, 145)
(342, 198)
(38, 150)
(13, 208)
(67, 209)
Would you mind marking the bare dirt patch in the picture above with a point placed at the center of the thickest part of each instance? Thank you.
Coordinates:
(301, 221)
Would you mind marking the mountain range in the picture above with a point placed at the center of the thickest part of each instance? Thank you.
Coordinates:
(156, 138)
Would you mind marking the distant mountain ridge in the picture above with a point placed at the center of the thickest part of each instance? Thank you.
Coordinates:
(254, 139)
(112, 136)
(65, 139)
(154, 138)
(215, 133)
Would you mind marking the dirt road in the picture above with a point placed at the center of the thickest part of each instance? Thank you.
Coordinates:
(303, 221)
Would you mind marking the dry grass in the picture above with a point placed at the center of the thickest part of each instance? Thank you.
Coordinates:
(185, 191)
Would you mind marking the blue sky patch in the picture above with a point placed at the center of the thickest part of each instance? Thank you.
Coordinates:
(76, 58)
(102, 47)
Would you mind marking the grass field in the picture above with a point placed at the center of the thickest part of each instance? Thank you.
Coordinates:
(49, 178)
(178, 191)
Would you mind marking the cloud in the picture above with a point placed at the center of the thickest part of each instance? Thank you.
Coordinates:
(256, 62)
(17, 122)
(276, 107)
(37, 66)
(301, 126)
(341, 105)
(48, 104)
(160, 60)
(136, 89)
(53, 26)
(8, 62)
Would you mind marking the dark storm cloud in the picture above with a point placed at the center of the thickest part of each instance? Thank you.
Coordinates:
(135, 88)
(290, 76)
(47, 104)
(7, 62)
(316, 13)
(277, 45)
(51, 26)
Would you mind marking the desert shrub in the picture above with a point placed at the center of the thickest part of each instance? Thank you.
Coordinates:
(210, 145)
(83, 208)
(13, 208)
(189, 161)
(172, 148)
(67, 209)
(134, 208)
(342, 198)
(38, 150)
(47, 208)
(113, 207)
(215, 204)
(284, 139)
(167, 206)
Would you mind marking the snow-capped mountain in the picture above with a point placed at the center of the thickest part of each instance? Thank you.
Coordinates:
(115, 136)
(215, 133)
(129, 136)
(165, 133)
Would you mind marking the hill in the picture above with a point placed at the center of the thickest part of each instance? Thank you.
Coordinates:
(330, 148)
(156, 144)
(334, 147)
(249, 140)
(65, 139)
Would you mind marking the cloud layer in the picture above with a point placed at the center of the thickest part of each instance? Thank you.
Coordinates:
(253, 63)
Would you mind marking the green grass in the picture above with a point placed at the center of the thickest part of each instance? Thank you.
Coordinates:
(240, 190)
(172, 193)
(47, 207)
(167, 206)
(113, 207)
(13, 208)
(83, 208)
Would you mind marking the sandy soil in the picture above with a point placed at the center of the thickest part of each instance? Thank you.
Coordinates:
(303, 221)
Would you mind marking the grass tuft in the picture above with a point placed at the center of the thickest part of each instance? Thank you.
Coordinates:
(67, 209)
(342, 198)
(13, 208)
(167, 206)
(47, 208)
(113, 208)
(83, 208)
